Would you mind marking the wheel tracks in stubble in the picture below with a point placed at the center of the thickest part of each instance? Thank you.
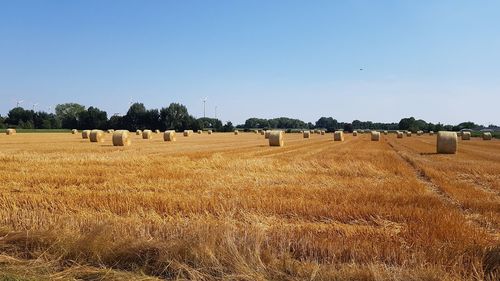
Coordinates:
(422, 177)
(476, 183)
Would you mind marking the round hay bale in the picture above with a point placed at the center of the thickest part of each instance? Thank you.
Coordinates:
(74, 131)
(121, 138)
(200, 132)
(431, 133)
(262, 133)
(419, 133)
(169, 135)
(459, 134)
(10, 132)
(85, 134)
(255, 131)
(236, 132)
(408, 134)
(138, 133)
(157, 131)
(465, 135)
(355, 133)
(487, 136)
(147, 134)
(306, 134)
(400, 135)
(446, 142)
(187, 133)
(323, 133)
(209, 132)
(386, 132)
(375, 136)
(266, 134)
(276, 138)
(110, 131)
(96, 136)
(338, 136)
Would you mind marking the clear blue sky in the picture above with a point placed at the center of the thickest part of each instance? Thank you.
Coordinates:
(435, 60)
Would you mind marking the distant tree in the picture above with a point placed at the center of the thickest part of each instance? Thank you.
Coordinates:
(92, 118)
(175, 117)
(253, 123)
(18, 116)
(212, 123)
(327, 123)
(228, 127)
(152, 119)
(44, 120)
(2, 122)
(348, 127)
(68, 114)
(116, 122)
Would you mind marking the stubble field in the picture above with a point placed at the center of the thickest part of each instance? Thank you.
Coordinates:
(226, 207)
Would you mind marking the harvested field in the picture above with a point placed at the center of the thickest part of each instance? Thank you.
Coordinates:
(226, 207)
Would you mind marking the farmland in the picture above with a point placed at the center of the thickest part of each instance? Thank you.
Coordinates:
(227, 207)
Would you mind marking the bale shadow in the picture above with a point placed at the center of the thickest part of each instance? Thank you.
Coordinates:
(428, 153)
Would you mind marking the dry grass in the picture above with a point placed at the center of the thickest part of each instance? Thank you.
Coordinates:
(225, 207)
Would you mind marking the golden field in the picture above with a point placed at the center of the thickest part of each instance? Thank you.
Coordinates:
(227, 207)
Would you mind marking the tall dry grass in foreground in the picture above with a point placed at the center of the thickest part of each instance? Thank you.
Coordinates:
(227, 207)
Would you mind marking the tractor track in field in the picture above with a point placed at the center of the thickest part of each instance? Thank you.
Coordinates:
(469, 215)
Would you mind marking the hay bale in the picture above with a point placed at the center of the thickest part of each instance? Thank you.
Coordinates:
(419, 133)
(96, 136)
(85, 134)
(465, 135)
(408, 134)
(375, 136)
(431, 133)
(187, 133)
(266, 134)
(459, 134)
(487, 136)
(255, 131)
(147, 134)
(169, 135)
(138, 133)
(209, 132)
(446, 142)
(386, 132)
(74, 131)
(157, 131)
(110, 131)
(355, 133)
(400, 134)
(262, 133)
(323, 132)
(200, 132)
(306, 134)
(276, 138)
(121, 138)
(10, 132)
(338, 136)
(236, 132)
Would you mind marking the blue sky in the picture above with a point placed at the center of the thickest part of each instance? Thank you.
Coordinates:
(435, 60)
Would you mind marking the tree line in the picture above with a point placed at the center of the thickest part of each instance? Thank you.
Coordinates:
(77, 116)
(176, 117)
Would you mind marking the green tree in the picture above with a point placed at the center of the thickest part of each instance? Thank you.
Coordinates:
(175, 117)
(210, 123)
(68, 114)
(92, 118)
(135, 119)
